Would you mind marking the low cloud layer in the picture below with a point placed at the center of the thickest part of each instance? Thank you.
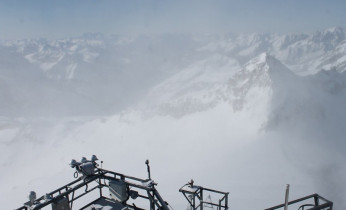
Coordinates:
(215, 109)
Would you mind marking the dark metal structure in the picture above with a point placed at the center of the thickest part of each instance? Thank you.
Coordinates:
(121, 188)
(98, 188)
(311, 202)
(195, 195)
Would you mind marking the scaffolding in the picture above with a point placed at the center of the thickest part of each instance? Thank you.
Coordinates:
(195, 195)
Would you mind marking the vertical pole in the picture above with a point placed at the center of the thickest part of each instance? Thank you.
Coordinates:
(148, 168)
(151, 197)
(226, 201)
(194, 201)
(316, 200)
(286, 196)
(100, 186)
(153, 202)
(201, 200)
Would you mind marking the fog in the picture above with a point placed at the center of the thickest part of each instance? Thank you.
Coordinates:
(241, 96)
(209, 108)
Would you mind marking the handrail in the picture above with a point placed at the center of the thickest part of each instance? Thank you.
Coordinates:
(100, 174)
(317, 206)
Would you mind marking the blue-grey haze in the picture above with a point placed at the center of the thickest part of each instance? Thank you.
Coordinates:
(54, 19)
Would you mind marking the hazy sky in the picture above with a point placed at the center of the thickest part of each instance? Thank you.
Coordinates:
(58, 18)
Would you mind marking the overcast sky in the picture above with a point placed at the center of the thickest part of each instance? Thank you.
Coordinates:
(59, 18)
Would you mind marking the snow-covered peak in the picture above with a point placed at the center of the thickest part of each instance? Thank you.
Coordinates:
(254, 87)
(215, 80)
(264, 61)
(263, 69)
(303, 53)
(336, 32)
(59, 58)
(329, 38)
(337, 29)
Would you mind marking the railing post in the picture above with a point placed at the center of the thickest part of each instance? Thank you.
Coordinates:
(201, 199)
(194, 201)
(286, 196)
(317, 201)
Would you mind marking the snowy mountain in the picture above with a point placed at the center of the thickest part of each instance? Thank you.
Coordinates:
(94, 70)
(262, 74)
(303, 53)
(245, 114)
(262, 85)
(62, 59)
(198, 87)
(86, 75)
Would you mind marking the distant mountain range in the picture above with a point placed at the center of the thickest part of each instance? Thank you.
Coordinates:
(263, 86)
(89, 75)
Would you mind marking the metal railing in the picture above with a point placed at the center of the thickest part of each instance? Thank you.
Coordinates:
(100, 177)
(317, 203)
(195, 196)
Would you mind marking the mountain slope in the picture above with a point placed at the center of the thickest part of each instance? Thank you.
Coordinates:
(253, 140)
(198, 87)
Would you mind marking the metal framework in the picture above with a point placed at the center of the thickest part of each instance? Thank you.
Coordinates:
(122, 187)
(317, 203)
(100, 177)
(195, 196)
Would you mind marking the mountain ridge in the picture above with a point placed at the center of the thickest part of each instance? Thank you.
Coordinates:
(97, 69)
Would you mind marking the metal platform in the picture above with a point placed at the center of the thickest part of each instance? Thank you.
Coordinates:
(102, 189)
(118, 188)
